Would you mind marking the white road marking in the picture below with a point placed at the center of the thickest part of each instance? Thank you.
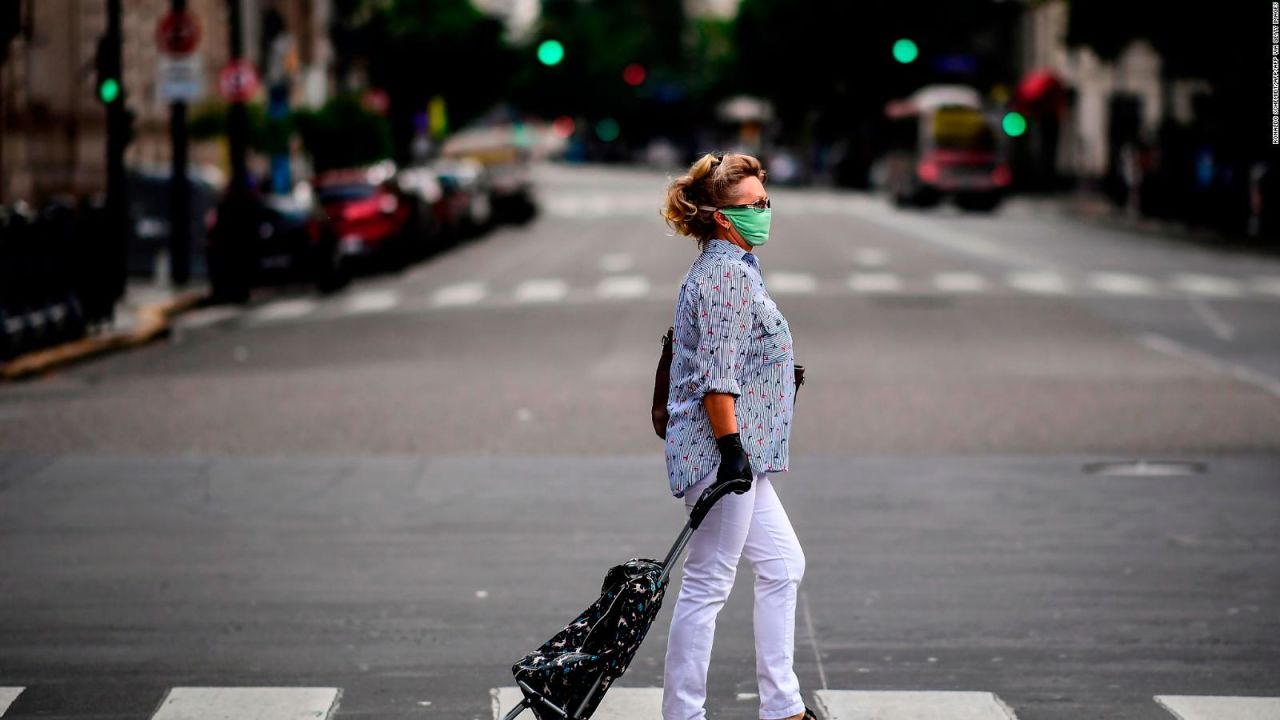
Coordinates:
(1211, 285)
(623, 287)
(467, 293)
(813, 637)
(1163, 344)
(541, 290)
(1118, 283)
(619, 703)
(283, 310)
(7, 696)
(1218, 324)
(959, 282)
(599, 205)
(248, 703)
(207, 316)
(910, 705)
(870, 257)
(372, 301)
(1041, 282)
(1266, 285)
(874, 282)
(790, 282)
(1221, 707)
(939, 232)
(616, 262)
(564, 206)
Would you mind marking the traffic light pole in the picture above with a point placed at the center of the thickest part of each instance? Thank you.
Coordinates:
(119, 127)
(237, 114)
(179, 188)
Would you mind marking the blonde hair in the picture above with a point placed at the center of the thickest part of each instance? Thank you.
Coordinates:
(711, 181)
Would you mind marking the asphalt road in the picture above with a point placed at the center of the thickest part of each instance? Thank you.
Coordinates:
(398, 490)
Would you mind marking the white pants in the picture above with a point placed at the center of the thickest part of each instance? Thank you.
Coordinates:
(752, 524)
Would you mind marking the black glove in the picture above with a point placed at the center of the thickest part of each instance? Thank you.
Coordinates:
(734, 462)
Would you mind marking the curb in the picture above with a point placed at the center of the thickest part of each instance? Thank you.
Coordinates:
(153, 322)
(1098, 211)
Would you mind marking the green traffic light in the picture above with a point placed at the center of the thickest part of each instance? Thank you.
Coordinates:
(608, 130)
(109, 90)
(904, 51)
(550, 52)
(1014, 124)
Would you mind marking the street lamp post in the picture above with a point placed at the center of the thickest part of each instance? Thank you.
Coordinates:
(179, 188)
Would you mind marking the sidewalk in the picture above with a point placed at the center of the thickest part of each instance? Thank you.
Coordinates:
(1094, 208)
(142, 315)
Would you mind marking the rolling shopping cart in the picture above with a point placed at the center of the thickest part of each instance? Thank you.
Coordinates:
(568, 675)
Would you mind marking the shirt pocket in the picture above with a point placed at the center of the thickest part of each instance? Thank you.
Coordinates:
(775, 333)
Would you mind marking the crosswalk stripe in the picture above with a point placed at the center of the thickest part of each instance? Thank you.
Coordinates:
(1266, 285)
(616, 262)
(905, 705)
(870, 257)
(283, 310)
(7, 696)
(619, 703)
(372, 301)
(623, 287)
(1038, 281)
(541, 290)
(1118, 283)
(790, 282)
(959, 282)
(467, 293)
(206, 316)
(1210, 285)
(248, 703)
(874, 282)
(1224, 707)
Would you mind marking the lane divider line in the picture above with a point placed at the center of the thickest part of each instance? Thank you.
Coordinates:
(1162, 344)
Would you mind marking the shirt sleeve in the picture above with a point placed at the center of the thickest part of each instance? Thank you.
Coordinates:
(724, 326)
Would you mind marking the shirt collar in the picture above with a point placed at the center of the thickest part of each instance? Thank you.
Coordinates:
(720, 245)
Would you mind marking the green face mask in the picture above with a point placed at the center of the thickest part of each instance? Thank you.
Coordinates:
(752, 225)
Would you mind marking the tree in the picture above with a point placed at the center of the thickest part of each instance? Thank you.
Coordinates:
(419, 49)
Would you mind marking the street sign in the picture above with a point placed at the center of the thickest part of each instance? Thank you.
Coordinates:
(180, 79)
(178, 33)
(238, 81)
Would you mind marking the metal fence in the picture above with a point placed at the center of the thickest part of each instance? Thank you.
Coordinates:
(61, 274)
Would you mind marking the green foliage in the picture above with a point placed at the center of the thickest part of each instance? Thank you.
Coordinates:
(418, 49)
(266, 135)
(600, 40)
(343, 134)
(830, 65)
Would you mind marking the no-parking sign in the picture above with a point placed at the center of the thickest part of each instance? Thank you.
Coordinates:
(238, 81)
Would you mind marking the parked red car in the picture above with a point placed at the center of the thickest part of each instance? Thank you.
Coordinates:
(372, 217)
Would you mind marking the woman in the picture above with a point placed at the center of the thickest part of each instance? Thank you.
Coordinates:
(730, 403)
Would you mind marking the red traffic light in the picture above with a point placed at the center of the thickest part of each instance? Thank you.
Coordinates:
(634, 74)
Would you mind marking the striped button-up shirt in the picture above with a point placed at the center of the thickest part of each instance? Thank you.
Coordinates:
(730, 337)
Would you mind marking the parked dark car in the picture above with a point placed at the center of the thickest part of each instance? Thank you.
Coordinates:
(149, 218)
(441, 218)
(263, 239)
(505, 161)
(466, 185)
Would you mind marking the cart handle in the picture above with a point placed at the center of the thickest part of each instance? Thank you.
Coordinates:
(700, 510)
(713, 493)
